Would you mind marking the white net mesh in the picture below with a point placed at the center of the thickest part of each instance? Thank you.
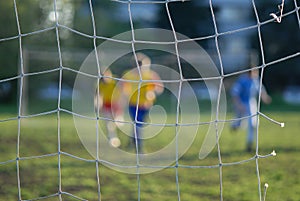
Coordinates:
(59, 158)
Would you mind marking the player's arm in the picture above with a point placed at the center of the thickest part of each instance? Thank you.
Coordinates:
(236, 97)
(265, 96)
(98, 100)
(126, 86)
(159, 86)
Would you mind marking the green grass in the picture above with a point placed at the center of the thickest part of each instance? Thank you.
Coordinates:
(39, 177)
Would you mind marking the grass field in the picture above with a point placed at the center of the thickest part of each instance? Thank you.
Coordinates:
(39, 177)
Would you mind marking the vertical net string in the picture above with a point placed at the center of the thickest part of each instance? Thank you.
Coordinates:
(137, 102)
(98, 79)
(297, 12)
(58, 103)
(218, 99)
(19, 100)
(263, 66)
(178, 99)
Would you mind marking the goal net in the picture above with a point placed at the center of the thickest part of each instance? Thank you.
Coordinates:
(175, 69)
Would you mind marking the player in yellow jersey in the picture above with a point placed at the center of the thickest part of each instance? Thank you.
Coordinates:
(142, 95)
(108, 105)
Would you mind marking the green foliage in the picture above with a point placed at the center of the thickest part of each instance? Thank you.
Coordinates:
(34, 15)
(8, 55)
(189, 18)
(279, 40)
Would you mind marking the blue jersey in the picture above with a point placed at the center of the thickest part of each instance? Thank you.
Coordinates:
(245, 88)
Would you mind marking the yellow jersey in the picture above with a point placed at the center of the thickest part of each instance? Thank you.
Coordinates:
(145, 89)
(108, 91)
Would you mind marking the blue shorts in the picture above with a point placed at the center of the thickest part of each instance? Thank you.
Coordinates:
(141, 114)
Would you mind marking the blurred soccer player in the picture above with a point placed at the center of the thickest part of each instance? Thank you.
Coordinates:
(244, 93)
(108, 105)
(141, 95)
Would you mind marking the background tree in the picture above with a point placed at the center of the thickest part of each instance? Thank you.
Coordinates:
(37, 15)
(190, 18)
(279, 40)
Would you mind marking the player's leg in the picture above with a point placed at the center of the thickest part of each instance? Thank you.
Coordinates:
(111, 128)
(236, 124)
(252, 123)
(137, 132)
(250, 127)
(250, 135)
(142, 113)
(132, 113)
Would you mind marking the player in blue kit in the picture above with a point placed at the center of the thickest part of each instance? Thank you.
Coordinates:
(244, 93)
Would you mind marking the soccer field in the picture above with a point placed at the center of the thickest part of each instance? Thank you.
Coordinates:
(109, 62)
(41, 177)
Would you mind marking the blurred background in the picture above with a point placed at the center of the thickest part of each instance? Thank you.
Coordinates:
(238, 50)
(46, 136)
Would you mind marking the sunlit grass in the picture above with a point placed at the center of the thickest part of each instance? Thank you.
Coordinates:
(41, 176)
